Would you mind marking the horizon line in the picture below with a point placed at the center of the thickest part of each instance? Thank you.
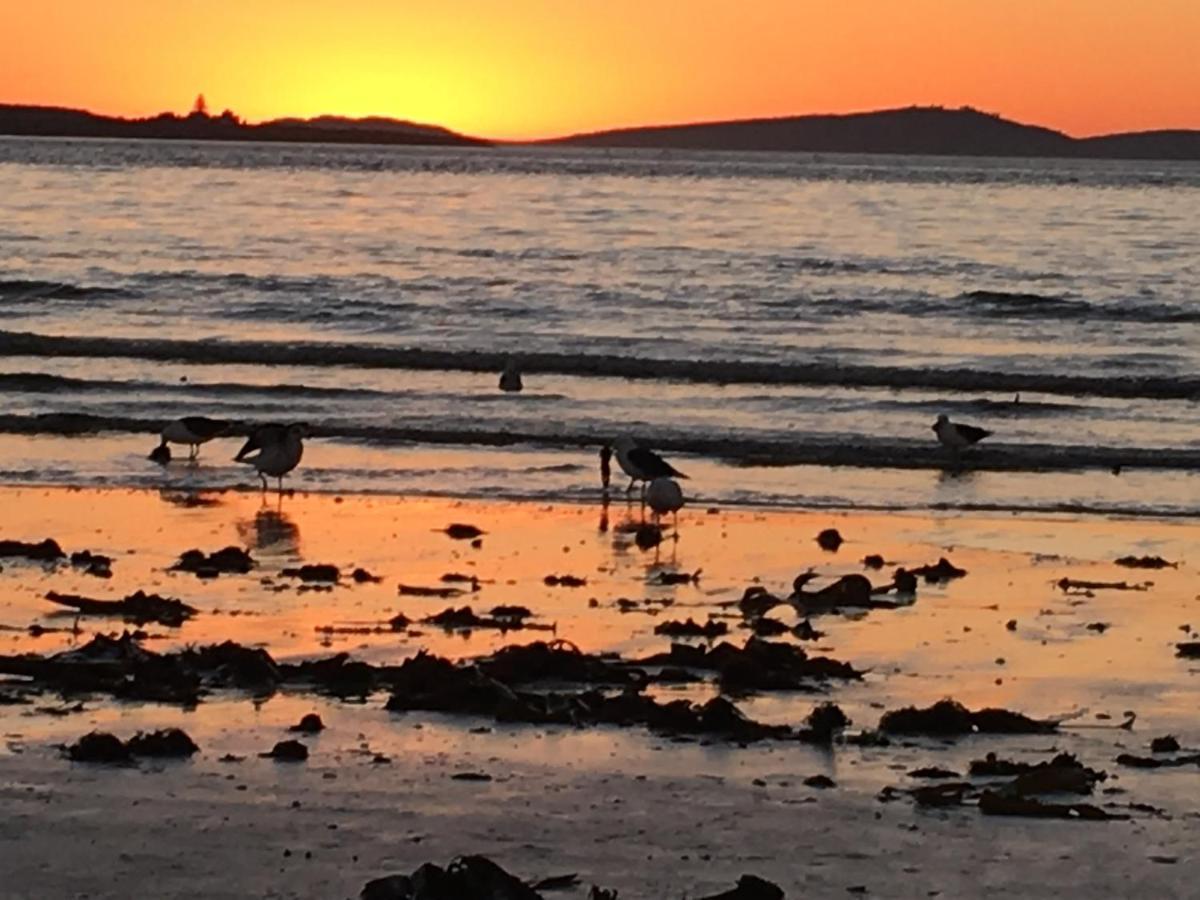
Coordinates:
(560, 136)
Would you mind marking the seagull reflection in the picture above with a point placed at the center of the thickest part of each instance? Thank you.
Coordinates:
(271, 531)
(188, 499)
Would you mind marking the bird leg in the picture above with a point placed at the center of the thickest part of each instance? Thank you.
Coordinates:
(264, 481)
(632, 482)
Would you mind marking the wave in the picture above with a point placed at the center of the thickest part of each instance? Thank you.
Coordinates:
(40, 383)
(16, 291)
(798, 450)
(1022, 305)
(818, 374)
(990, 304)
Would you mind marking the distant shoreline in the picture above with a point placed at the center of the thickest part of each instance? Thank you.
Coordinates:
(918, 131)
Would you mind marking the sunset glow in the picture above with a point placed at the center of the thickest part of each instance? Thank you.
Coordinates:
(535, 68)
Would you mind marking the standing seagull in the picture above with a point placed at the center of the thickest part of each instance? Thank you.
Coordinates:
(664, 495)
(275, 458)
(510, 378)
(641, 464)
(957, 437)
(193, 431)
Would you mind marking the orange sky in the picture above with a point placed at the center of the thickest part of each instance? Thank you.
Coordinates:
(530, 68)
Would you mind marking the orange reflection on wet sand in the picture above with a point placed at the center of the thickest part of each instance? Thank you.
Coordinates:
(952, 641)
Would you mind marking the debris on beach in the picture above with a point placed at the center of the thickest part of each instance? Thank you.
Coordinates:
(942, 570)
(992, 766)
(932, 772)
(230, 560)
(1149, 762)
(672, 578)
(750, 887)
(873, 561)
(310, 723)
(459, 578)
(904, 581)
(559, 661)
(1074, 586)
(166, 743)
(231, 664)
(459, 531)
(1188, 650)
(99, 747)
(510, 611)
(848, 592)
(1166, 744)
(569, 581)
(102, 747)
(464, 619)
(434, 684)
(1145, 562)
(117, 666)
(43, 551)
(824, 723)
(995, 804)
(325, 573)
(951, 718)
(413, 590)
(711, 629)
(95, 564)
(137, 608)
(287, 751)
(465, 878)
(362, 576)
(758, 665)
(830, 540)
(758, 601)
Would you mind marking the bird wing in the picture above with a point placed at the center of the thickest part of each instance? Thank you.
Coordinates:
(652, 464)
(202, 426)
(972, 434)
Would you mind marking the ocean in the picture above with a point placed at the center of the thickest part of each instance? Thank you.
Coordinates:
(784, 327)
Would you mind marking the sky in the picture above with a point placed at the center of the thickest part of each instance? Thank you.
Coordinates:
(515, 69)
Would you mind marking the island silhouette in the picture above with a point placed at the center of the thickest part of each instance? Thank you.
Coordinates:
(921, 130)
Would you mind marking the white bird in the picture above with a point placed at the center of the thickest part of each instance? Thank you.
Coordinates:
(275, 458)
(641, 464)
(955, 436)
(510, 378)
(664, 495)
(192, 431)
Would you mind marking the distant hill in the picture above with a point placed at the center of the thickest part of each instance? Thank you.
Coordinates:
(915, 130)
(50, 121)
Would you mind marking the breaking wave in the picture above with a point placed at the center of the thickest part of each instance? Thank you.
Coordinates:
(819, 374)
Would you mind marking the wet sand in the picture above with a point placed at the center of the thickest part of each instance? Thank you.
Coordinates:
(625, 808)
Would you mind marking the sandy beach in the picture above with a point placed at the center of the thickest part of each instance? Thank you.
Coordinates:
(630, 808)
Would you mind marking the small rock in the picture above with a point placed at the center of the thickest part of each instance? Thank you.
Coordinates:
(310, 723)
(287, 751)
(830, 540)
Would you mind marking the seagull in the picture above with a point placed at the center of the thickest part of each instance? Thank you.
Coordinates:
(275, 458)
(664, 495)
(642, 464)
(260, 437)
(510, 378)
(957, 437)
(193, 431)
